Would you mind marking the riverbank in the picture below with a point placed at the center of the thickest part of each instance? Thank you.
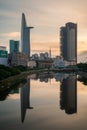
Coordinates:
(13, 80)
(82, 67)
(10, 76)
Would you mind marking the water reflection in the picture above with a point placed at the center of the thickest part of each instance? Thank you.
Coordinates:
(68, 94)
(4, 93)
(83, 77)
(68, 91)
(25, 99)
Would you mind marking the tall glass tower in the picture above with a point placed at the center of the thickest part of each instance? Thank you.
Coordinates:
(68, 42)
(25, 36)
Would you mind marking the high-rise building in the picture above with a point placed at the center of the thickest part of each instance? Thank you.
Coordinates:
(14, 46)
(25, 37)
(63, 43)
(68, 42)
(3, 55)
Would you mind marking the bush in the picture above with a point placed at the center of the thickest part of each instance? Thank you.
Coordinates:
(14, 71)
(4, 74)
(82, 66)
(5, 71)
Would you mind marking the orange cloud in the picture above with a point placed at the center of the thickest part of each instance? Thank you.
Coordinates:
(11, 35)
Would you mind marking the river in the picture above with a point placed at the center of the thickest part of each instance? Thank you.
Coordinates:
(48, 101)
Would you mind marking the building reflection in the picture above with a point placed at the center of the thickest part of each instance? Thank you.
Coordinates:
(68, 94)
(25, 99)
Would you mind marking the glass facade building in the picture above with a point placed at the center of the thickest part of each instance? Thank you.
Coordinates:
(25, 37)
(14, 46)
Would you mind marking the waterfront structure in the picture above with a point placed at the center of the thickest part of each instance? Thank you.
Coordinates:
(14, 46)
(3, 55)
(25, 37)
(18, 58)
(68, 42)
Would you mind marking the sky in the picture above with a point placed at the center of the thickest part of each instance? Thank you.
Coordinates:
(47, 16)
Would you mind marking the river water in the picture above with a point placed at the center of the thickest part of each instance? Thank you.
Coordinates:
(54, 101)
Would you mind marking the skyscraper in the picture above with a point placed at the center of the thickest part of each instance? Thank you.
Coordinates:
(25, 36)
(63, 43)
(14, 46)
(68, 42)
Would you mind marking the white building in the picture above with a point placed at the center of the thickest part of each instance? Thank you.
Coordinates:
(58, 62)
(31, 63)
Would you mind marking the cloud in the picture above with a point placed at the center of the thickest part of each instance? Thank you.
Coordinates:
(11, 35)
(39, 47)
(46, 15)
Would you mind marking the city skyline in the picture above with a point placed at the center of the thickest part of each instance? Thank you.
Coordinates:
(47, 20)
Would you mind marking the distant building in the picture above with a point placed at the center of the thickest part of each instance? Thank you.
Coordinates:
(68, 42)
(47, 63)
(58, 62)
(34, 56)
(50, 53)
(18, 58)
(3, 55)
(44, 56)
(3, 48)
(14, 46)
(25, 37)
(31, 63)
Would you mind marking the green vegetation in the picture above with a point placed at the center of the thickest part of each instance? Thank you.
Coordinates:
(82, 67)
(83, 80)
(8, 86)
(6, 72)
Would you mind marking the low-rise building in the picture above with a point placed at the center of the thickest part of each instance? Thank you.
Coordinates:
(34, 57)
(18, 58)
(58, 62)
(43, 56)
(48, 63)
(31, 63)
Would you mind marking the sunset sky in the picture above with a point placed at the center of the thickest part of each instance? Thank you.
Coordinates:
(47, 16)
